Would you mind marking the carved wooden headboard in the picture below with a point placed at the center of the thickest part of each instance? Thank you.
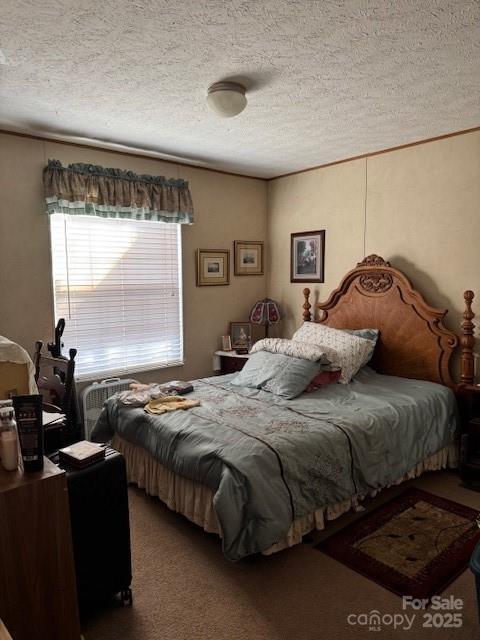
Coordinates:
(413, 341)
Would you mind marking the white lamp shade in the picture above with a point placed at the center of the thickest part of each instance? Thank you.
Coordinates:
(227, 99)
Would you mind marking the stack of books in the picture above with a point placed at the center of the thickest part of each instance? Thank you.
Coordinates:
(81, 454)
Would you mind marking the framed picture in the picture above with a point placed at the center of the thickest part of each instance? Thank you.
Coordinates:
(226, 343)
(307, 256)
(248, 258)
(213, 267)
(241, 334)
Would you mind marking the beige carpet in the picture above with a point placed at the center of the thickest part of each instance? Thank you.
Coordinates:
(183, 588)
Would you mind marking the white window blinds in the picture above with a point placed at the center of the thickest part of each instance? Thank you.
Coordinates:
(118, 285)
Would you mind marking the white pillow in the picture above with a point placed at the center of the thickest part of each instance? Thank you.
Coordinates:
(293, 348)
(351, 351)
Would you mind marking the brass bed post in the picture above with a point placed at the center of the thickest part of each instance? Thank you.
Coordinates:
(467, 341)
(307, 316)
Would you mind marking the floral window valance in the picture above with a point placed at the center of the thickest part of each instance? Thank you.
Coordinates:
(86, 189)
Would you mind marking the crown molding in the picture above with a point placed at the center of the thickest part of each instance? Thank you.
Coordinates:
(138, 153)
(378, 153)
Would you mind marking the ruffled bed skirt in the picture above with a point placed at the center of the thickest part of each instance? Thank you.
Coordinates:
(195, 501)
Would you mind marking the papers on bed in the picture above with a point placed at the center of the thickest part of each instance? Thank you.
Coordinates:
(140, 394)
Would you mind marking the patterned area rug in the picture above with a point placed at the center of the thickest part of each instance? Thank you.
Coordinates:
(414, 545)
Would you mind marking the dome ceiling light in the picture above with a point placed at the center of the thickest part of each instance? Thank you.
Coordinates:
(227, 99)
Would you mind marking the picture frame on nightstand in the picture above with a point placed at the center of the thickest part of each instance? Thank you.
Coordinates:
(241, 335)
(226, 343)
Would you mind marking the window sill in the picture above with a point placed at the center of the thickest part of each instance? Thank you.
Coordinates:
(118, 373)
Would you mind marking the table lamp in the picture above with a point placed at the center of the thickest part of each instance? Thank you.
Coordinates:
(265, 312)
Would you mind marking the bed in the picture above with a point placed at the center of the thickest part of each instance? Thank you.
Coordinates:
(262, 471)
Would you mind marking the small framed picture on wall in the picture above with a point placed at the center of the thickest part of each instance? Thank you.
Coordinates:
(307, 256)
(248, 258)
(213, 267)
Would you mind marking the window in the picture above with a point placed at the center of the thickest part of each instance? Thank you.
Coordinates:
(118, 285)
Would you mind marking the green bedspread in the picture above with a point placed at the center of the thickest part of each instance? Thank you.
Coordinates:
(271, 461)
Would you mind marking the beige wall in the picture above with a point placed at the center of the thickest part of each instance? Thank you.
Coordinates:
(422, 213)
(227, 208)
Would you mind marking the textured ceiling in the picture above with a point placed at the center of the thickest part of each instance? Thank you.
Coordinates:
(325, 79)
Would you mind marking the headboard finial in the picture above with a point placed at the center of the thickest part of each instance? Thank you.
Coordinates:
(307, 316)
(373, 261)
(467, 341)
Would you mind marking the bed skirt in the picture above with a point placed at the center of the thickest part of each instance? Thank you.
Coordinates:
(195, 501)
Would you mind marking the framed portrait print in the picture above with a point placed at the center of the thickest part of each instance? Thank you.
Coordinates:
(213, 267)
(248, 258)
(307, 256)
(241, 335)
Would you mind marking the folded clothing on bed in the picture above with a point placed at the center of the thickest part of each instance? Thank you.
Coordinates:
(140, 394)
(170, 403)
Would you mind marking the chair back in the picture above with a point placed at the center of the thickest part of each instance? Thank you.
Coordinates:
(56, 383)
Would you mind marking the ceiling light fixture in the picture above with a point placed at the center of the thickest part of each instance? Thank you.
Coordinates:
(227, 99)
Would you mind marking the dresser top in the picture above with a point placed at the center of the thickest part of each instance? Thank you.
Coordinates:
(232, 354)
(14, 479)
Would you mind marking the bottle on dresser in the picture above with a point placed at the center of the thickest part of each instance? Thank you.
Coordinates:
(8, 436)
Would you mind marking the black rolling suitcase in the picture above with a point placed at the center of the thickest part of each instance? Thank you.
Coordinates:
(100, 530)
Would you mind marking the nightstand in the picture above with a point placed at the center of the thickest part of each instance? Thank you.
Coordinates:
(228, 362)
(469, 404)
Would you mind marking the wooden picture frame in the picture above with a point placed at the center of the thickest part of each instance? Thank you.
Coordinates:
(212, 267)
(307, 256)
(248, 258)
(239, 340)
(227, 343)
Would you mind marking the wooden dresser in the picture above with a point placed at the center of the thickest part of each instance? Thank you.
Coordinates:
(37, 576)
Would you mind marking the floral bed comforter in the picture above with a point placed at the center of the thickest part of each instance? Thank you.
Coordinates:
(271, 461)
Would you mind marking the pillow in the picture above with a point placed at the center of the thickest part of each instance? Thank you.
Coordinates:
(277, 373)
(351, 352)
(329, 375)
(368, 334)
(291, 348)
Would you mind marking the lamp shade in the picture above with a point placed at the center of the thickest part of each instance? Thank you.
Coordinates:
(265, 312)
